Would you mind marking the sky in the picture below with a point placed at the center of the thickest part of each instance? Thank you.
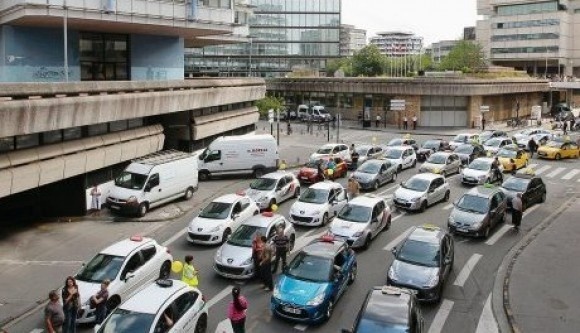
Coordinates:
(434, 20)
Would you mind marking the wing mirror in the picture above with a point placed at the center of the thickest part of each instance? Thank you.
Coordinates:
(235, 216)
(394, 251)
(447, 261)
(129, 276)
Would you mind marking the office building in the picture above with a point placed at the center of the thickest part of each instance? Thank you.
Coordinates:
(469, 33)
(441, 49)
(351, 40)
(398, 43)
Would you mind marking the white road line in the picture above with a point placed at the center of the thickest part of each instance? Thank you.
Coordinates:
(39, 262)
(529, 210)
(441, 316)
(305, 238)
(487, 323)
(392, 188)
(570, 174)
(300, 327)
(221, 295)
(37, 330)
(466, 270)
(542, 169)
(532, 166)
(224, 326)
(175, 237)
(555, 172)
(498, 234)
(448, 207)
(398, 239)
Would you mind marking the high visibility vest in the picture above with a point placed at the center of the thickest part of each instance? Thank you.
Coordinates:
(189, 275)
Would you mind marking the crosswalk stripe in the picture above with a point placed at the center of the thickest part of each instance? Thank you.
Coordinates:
(441, 316)
(397, 240)
(542, 169)
(555, 172)
(37, 330)
(448, 207)
(487, 323)
(570, 174)
(498, 234)
(533, 165)
(467, 269)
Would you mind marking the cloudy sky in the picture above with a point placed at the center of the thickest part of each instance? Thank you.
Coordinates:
(433, 20)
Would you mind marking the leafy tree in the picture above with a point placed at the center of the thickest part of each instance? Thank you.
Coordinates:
(344, 64)
(267, 103)
(465, 56)
(368, 62)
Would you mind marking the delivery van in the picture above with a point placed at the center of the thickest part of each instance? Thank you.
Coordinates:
(241, 154)
(153, 180)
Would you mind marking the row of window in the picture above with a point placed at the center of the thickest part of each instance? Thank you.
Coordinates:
(527, 24)
(538, 49)
(526, 9)
(444, 103)
(295, 20)
(504, 38)
(332, 6)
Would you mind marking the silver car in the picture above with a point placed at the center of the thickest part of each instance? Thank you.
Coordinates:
(374, 173)
(274, 188)
(368, 152)
(442, 163)
(480, 171)
(420, 191)
(493, 145)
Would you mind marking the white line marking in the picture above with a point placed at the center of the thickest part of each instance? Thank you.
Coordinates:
(301, 327)
(301, 241)
(37, 330)
(533, 165)
(224, 326)
(487, 323)
(39, 262)
(570, 174)
(221, 295)
(529, 210)
(466, 270)
(448, 207)
(498, 234)
(398, 239)
(542, 169)
(555, 172)
(441, 316)
(175, 237)
(386, 191)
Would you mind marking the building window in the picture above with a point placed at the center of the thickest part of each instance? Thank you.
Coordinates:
(539, 49)
(71, 133)
(104, 57)
(134, 123)
(7, 144)
(537, 36)
(97, 129)
(51, 137)
(27, 141)
(526, 9)
(117, 126)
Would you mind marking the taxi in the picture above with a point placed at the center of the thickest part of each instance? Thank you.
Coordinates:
(518, 155)
(308, 174)
(273, 189)
(558, 150)
(526, 182)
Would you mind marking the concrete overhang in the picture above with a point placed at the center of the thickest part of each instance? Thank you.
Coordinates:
(565, 85)
(215, 40)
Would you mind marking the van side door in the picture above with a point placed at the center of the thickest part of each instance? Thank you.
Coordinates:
(154, 189)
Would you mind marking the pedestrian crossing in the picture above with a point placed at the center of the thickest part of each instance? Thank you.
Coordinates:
(556, 172)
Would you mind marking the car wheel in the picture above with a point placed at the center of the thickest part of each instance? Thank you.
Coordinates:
(226, 235)
(142, 210)
(113, 303)
(203, 175)
(446, 197)
(414, 163)
(201, 326)
(296, 192)
(292, 242)
(543, 197)
(423, 206)
(444, 174)
(165, 270)
(188, 193)
(367, 242)
(376, 185)
(352, 274)
(387, 225)
(394, 177)
(400, 168)
(558, 156)
(258, 173)
(486, 233)
(325, 219)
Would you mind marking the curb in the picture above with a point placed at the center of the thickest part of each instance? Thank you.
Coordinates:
(501, 305)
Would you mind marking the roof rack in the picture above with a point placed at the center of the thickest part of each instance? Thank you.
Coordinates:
(162, 157)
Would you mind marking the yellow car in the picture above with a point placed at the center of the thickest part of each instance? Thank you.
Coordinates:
(520, 157)
(558, 150)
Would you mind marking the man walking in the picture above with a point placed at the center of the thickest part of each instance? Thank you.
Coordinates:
(414, 122)
(282, 243)
(532, 147)
(266, 265)
(517, 207)
(53, 314)
(405, 122)
(352, 188)
(377, 121)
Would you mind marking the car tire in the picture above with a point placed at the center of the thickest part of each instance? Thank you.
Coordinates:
(558, 157)
(400, 168)
(113, 302)
(188, 193)
(444, 174)
(376, 185)
(367, 244)
(387, 225)
(165, 270)
(225, 235)
(296, 192)
(423, 206)
(352, 274)
(446, 197)
(414, 163)
(543, 198)
(329, 310)
(201, 326)
(324, 219)
(143, 209)
(204, 175)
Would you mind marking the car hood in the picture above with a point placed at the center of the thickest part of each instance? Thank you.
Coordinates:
(364, 177)
(124, 193)
(466, 218)
(346, 228)
(403, 193)
(433, 167)
(201, 224)
(257, 194)
(297, 291)
(315, 156)
(413, 275)
(307, 171)
(394, 160)
(474, 173)
(87, 289)
(233, 255)
(305, 208)
(491, 148)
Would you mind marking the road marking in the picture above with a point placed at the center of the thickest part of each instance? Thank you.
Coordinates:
(386, 191)
(39, 262)
(37, 330)
(300, 327)
(398, 239)
(305, 238)
(448, 207)
(441, 316)
(529, 210)
(555, 172)
(487, 323)
(498, 234)
(542, 169)
(466, 270)
(221, 295)
(224, 326)
(570, 174)
(532, 166)
(175, 237)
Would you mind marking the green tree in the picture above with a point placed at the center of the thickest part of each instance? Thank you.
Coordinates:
(344, 64)
(466, 56)
(368, 62)
(267, 103)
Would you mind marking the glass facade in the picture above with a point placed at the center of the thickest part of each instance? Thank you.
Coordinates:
(526, 9)
(285, 35)
(104, 57)
(538, 49)
(503, 38)
(527, 24)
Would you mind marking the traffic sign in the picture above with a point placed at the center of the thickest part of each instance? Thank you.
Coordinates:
(271, 116)
(484, 108)
(398, 105)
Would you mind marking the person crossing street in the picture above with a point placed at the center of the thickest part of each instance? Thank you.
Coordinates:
(282, 244)
(532, 147)
(517, 208)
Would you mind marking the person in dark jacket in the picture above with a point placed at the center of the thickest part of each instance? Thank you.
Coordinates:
(532, 147)
(282, 244)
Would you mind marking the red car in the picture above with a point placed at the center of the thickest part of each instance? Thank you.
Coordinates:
(309, 172)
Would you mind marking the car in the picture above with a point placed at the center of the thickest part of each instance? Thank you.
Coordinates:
(509, 153)
(486, 135)
(368, 152)
(361, 220)
(403, 142)
(403, 157)
(216, 222)
(389, 309)
(479, 172)
(478, 211)
(308, 174)
(423, 261)
(558, 108)
(302, 112)
(564, 115)
(493, 145)
(442, 163)
(314, 281)
(331, 149)
(374, 173)
(462, 138)
(467, 152)
(421, 191)
(558, 149)
(274, 188)
(233, 259)
(146, 311)
(128, 264)
(431, 146)
(524, 136)
(318, 113)
(532, 188)
(318, 204)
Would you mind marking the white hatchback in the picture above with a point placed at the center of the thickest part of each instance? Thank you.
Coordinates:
(462, 138)
(318, 204)
(420, 191)
(334, 149)
(273, 188)
(402, 156)
(220, 218)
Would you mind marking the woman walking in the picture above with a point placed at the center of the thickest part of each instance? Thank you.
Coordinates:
(266, 266)
(189, 274)
(237, 311)
(70, 304)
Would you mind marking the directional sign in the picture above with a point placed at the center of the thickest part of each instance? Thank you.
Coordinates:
(483, 108)
(398, 105)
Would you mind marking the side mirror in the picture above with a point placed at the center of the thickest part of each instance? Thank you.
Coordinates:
(235, 216)
(129, 276)
(333, 201)
(147, 188)
(394, 251)
(447, 261)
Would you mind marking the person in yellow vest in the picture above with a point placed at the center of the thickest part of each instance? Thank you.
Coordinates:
(189, 274)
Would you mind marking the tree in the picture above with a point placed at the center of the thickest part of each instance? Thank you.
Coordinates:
(267, 103)
(343, 64)
(466, 56)
(368, 62)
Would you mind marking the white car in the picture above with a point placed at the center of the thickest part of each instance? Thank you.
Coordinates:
(234, 258)
(540, 138)
(220, 218)
(524, 136)
(274, 188)
(128, 264)
(442, 163)
(479, 172)
(402, 156)
(361, 220)
(334, 149)
(146, 311)
(318, 204)
(493, 145)
(421, 191)
(462, 138)
(368, 152)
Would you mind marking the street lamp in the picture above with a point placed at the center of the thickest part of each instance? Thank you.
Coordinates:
(250, 57)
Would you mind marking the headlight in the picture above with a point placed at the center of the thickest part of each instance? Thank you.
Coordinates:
(216, 229)
(276, 293)
(132, 199)
(415, 199)
(262, 199)
(316, 300)
(451, 220)
(482, 177)
(357, 234)
(247, 261)
(436, 170)
(218, 255)
(476, 225)
(316, 212)
(433, 281)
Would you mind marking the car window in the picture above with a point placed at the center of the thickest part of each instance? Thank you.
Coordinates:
(237, 208)
(183, 303)
(148, 253)
(281, 182)
(245, 202)
(494, 202)
(289, 179)
(153, 180)
(335, 150)
(132, 265)
(331, 195)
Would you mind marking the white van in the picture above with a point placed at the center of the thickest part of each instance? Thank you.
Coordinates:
(302, 112)
(319, 113)
(242, 154)
(153, 180)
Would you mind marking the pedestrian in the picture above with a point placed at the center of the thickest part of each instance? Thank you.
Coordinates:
(352, 188)
(237, 311)
(95, 199)
(405, 122)
(99, 301)
(482, 123)
(414, 122)
(266, 266)
(517, 208)
(282, 244)
(532, 147)
(189, 273)
(320, 170)
(354, 156)
(70, 304)
(496, 170)
(288, 127)
(351, 148)
(257, 248)
(565, 127)
(53, 314)
(572, 124)
(378, 121)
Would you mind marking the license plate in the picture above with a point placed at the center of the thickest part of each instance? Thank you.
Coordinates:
(462, 229)
(114, 207)
(291, 310)
(305, 178)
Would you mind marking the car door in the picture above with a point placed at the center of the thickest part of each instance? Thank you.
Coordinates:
(494, 210)
(447, 255)
(153, 188)
(408, 157)
(281, 190)
(185, 311)
(131, 275)
(375, 223)
(340, 200)
(151, 264)
(456, 163)
(341, 277)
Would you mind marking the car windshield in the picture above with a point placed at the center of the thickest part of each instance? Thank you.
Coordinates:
(101, 267)
(322, 111)
(516, 184)
(480, 165)
(355, 213)
(554, 144)
(437, 159)
(507, 153)
(216, 210)
(263, 184)
(363, 151)
(310, 268)
(133, 181)
(464, 149)
(314, 195)
(493, 142)
(527, 132)
(460, 138)
(473, 204)
(395, 142)
(419, 253)
(486, 135)
(324, 150)
(416, 184)
(370, 167)
(431, 144)
(121, 321)
(244, 235)
(393, 153)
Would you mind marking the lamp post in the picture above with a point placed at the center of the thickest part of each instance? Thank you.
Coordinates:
(250, 58)
(65, 32)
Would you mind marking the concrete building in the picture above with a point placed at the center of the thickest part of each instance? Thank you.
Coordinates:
(540, 37)
(284, 36)
(469, 33)
(351, 40)
(398, 43)
(441, 49)
(125, 97)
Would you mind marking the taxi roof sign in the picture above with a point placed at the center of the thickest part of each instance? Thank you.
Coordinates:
(390, 290)
(136, 238)
(430, 227)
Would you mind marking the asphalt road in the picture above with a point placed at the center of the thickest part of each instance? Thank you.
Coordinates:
(464, 307)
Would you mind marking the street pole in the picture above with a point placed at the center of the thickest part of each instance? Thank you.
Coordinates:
(278, 127)
(337, 127)
(65, 28)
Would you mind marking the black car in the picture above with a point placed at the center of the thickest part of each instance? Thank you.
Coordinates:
(559, 107)
(430, 146)
(422, 262)
(388, 309)
(467, 152)
(531, 186)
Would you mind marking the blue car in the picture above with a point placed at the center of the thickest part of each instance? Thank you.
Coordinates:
(309, 288)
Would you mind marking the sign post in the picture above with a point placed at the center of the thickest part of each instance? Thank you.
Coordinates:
(271, 121)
